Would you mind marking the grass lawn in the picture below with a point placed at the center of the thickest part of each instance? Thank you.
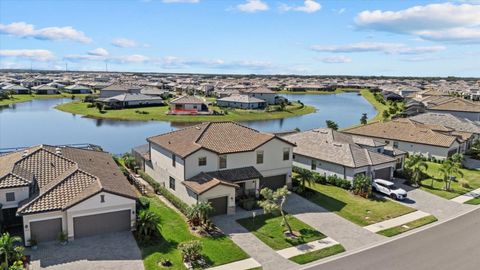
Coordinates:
(26, 97)
(366, 94)
(472, 177)
(268, 229)
(474, 201)
(409, 226)
(174, 230)
(355, 208)
(317, 254)
(159, 113)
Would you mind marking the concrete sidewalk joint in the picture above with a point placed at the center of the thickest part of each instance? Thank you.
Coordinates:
(308, 247)
(238, 265)
(394, 222)
(467, 196)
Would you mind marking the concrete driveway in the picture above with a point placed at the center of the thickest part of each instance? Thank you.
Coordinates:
(116, 251)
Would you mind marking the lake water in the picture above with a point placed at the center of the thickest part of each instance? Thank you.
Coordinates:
(37, 122)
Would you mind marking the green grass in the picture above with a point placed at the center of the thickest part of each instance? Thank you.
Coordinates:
(411, 225)
(357, 209)
(256, 268)
(369, 96)
(269, 230)
(27, 97)
(474, 201)
(159, 113)
(472, 177)
(317, 254)
(174, 230)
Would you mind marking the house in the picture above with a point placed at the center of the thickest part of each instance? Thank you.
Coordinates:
(416, 138)
(262, 93)
(458, 107)
(330, 152)
(44, 90)
(188, 104)
(153, 91)
(219, 162)
(242, 102)
(119, 89)
(79, 192)
(131, 100)
(77, 89)
(16, 89)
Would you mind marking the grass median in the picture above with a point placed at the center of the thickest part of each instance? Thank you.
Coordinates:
(408, 226)
(318, 254)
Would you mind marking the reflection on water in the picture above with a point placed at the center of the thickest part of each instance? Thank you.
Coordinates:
(36, 122)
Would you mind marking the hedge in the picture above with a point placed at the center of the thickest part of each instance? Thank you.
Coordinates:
(333, 179)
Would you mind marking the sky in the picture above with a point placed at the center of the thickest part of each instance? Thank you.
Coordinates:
(304, 37)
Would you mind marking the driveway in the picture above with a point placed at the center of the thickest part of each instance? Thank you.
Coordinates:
(116, 251)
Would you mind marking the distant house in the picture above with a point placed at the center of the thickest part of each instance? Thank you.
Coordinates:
(77, 89)
(50, 190)
(188, 104)
(261, 93)
(131, 100)
(44, 90)
(416, 138)
(119, 89)
(329, 152)
(242, 102)
(16, 89)
(154, 91)
(449, 120)
(458, 107)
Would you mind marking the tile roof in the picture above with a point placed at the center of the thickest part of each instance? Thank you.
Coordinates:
(335, 147)
(457, 104)
(219, 137)
(242, 99)
(448, 120)
(187, 100)
(405, 130)
(64, 176)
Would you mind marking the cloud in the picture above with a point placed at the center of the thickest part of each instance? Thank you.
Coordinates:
(180, 1)
(124, 43)
(388, 48)
(134, 58)
(252, 6)
(336, 59)
(309, 6)
(37, 55)
(98, 52)
(437, 22)
(25, 30)
(173, 62)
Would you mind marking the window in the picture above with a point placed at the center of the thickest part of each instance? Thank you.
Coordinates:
(395, 144)
(102, 198)
(259, 157)
(286, 153)
(172, 183)
(222, 161)
(202, 161)
(314, 165)
(10, 196)
(174, 160)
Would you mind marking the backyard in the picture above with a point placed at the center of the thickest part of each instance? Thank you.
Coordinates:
(174, 230)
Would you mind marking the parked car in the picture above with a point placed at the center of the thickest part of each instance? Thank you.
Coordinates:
(389, 188)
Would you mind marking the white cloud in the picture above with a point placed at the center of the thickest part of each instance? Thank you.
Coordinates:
(336, 59)
(177, 62)
(98, 52)
(388, 48)
(438, 22)
(37, 55)
(24, 30)
(309, 6)
(180, 1)
(124, 43)
(134, 58)
(252, 6)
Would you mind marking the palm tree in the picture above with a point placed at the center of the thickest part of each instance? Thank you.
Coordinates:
(147, 223)
(129, 160)
(415, 165)
(450, 168)
(8, 250)
(204, 211)
(304, 177)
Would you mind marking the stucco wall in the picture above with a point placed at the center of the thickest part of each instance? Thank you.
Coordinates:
(21, 193)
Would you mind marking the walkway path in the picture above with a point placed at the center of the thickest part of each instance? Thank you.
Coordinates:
(394, 222)
(308, 247)
(238, 265)
(467, 196)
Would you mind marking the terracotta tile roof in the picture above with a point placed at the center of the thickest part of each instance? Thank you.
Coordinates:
(63, 178)
(405, 130)
(457, 104)
(219, 137)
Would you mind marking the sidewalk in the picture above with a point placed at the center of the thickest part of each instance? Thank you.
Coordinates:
(308, 247)
(467, 196)
(394, 222)
(238, 265)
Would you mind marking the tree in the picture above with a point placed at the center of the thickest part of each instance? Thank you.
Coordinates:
(282, 105)
(199, 213)
(331, 124)
(9, 252)
(147, 222)
(304, 177)
(415, 166)
(362, 185)
(130, 161)
(450, 168)
(475, 149)
(385, 115)
(274, 201)
(364, 119)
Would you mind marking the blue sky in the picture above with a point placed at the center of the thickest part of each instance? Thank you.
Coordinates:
(404, 38)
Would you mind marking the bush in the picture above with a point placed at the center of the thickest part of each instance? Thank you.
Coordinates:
(333, 179)
(144, 203)
(362, 186)
(191, 250)
(155, 185)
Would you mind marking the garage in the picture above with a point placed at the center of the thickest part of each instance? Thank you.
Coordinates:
(273, 182)
(101, 223)
(219, 205)
(383, 173)
(46, 230)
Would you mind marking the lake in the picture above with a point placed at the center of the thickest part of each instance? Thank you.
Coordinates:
(37, 122)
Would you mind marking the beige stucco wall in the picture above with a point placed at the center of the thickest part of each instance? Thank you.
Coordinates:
(21, 193)
(220, 191)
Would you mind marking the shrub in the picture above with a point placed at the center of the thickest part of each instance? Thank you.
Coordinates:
(155, 185)
(362, 186)
(191, 250)
(144, 203)
(464, 184)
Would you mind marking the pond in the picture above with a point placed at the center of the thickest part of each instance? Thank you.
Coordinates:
(37, 122)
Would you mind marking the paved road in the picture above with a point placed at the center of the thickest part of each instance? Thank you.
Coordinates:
(451, 245)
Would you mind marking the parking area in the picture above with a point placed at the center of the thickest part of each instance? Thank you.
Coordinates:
(116, 251)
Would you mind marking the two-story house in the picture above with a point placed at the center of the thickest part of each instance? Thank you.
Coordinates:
(217, 162)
